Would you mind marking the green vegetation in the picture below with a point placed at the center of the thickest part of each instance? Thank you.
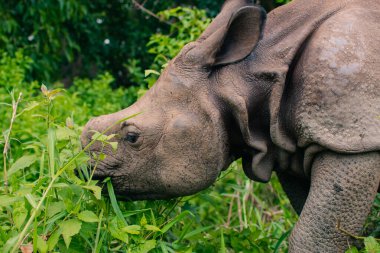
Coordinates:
(46, 207)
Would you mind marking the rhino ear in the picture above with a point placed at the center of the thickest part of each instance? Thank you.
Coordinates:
(232, 41)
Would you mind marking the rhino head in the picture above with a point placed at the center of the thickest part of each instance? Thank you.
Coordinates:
(183, 136)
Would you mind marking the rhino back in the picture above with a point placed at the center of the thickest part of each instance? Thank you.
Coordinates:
(334, 93)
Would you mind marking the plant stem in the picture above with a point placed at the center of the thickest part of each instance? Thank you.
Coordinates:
(7, 139)
(142, 8)
(339, 228)
(98, 231)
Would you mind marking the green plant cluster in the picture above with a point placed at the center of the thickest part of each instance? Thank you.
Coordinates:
(70, 38)
(45, 206)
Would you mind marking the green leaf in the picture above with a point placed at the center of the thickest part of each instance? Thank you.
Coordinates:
(132, 229)
(113, 145)
(96, 190)
(10, 243)
(88, 216)
(53, 93)
(54, 208)
(19, 215)
(53, 239)
(197, 231)
(42, 245)
(101, 157)
(8, 200)
(69, 229)
(145, 246)
(69, 123)
(60, 185)
(134, 212)
(21, 163)
(152, 228)
(64, 133)
(175, 220)
(222, 244)
(31, 200)
(371, 245)
(352, 250)
(116, 232)
(44, 90)
(282, 238)
(114, 204)
(143, 221)
(151, 71)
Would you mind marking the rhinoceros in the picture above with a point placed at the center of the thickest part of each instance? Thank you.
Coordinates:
(296, 91)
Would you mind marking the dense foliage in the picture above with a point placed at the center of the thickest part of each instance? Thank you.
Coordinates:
(82, 38)
(46, 207)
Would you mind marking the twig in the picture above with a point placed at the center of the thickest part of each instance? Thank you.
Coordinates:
(270, 214)
(227, 224)
(350, 234)
(7, 139)
(142, 8)
(240, 213)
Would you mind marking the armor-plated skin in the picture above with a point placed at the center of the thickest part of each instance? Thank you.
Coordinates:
(300, 97)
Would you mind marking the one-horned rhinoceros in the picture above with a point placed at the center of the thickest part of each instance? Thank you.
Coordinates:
(300, 97)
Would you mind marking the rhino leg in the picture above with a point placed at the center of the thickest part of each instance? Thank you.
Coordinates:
(343, 188)
(296, 189)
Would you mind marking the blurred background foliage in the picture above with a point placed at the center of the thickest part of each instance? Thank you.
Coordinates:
(80, 38)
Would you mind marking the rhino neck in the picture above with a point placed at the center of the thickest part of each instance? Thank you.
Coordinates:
(244, 109)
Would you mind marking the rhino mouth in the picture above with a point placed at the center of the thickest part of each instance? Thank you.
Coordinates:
(126, 194)
(99, 176)
(144, 196)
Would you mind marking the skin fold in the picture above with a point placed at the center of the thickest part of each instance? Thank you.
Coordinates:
(296, 92)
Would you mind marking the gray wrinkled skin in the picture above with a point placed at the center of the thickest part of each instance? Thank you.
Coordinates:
(300, 97)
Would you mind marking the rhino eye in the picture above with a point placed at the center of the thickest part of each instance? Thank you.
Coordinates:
(131, 137)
